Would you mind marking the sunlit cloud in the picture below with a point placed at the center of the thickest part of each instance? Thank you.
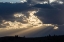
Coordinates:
(30, 21)
(52, 1)
(56, 27)
(22, 1)
(45, 2)
(60, 2)
(19, 15)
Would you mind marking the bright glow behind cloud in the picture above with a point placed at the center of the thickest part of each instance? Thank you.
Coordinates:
(32, 21)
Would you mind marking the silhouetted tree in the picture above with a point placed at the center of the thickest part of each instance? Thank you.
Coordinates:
(49, 35)
(16, 35)
(24, 36)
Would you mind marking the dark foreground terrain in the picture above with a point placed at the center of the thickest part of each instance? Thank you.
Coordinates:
(49, 38)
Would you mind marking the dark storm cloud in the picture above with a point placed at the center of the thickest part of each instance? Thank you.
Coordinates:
(7, 9)
(48, 13)
(51, 13)
(54, 15)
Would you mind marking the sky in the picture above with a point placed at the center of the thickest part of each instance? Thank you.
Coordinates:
(12, 1)
(19, 0)
(49, 17)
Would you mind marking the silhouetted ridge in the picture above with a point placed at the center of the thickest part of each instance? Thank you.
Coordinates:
(49, 38)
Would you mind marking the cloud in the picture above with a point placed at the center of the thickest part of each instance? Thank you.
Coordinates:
(7, 9)
(48, 14)
(16, 15)
(53, 15)
(35, 1)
